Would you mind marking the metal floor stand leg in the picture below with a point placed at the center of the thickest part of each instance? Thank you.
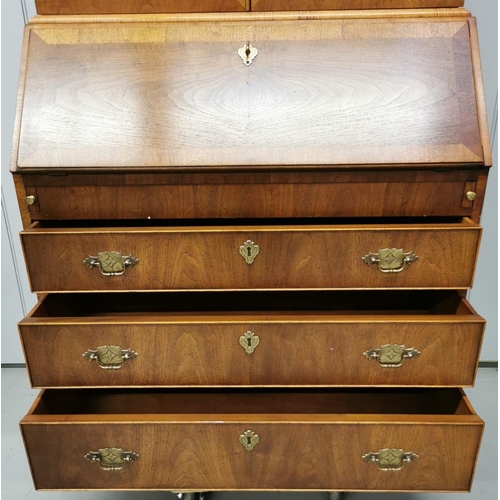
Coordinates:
(191, 496)
(335, 495)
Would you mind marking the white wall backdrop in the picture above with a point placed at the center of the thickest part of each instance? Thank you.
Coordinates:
(484, 294)
(16, 297)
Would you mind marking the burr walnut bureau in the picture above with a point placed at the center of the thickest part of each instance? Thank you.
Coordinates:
(251, 234)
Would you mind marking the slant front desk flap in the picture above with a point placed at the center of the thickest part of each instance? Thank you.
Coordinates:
(176, 94)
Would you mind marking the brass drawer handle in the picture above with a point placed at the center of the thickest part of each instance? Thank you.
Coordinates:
(111, 263)
(249, 341)
(249, 250)
(109, 357)
(392, 355)
(390, 260)
(390, 459)
(249, 440)
(248, 53)
(112, 459)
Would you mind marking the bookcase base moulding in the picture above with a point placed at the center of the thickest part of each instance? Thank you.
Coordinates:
(251, 234)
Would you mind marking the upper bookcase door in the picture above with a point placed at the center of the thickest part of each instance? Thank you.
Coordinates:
(281, 5)
(176, 94)
(69, 7)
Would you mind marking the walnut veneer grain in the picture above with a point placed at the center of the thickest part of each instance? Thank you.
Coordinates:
(65, 7)
(379, 92)
(296, 348)
(290, 257)
(283, 5)
(343, 114)
(318, 451)
(358, 193)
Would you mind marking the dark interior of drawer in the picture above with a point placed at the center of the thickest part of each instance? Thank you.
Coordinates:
(406, 302)
(253, 401)
(302, 221)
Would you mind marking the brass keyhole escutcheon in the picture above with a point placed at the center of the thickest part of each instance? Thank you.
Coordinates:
(249, 250)
(248, 53)
(249, 341)
(249, 440)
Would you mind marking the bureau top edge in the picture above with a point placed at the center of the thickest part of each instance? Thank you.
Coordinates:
(284, 15)
(329, 89)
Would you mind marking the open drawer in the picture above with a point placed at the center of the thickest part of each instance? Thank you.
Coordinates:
(155, 255)
(352, 439)
(355, 338)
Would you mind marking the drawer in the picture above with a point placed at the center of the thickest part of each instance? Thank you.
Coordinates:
(355, 338)
(373, 254)
(361, 193)
(260, 440)
(65, 7)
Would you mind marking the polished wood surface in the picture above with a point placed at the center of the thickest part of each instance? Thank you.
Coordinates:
(481, 192)
(277, 5)
(65, 7)
(195, 405)
(129, 116)
(352, 131)
(254, 194)
(318, 450)
(421, 14)
(290, 257)
(21, 193)
(480, 95)
(322, 346)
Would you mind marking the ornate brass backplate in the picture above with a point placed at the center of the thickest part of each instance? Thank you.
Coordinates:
(249, 250)
(390, 459)
(248, 53)
(111, 263)
(249, 341)
(249, 440)
(112, 459)
(109, 357)
(392, 355)
(390, 260)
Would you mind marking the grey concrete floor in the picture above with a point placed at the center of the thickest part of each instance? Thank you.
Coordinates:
(17, 397)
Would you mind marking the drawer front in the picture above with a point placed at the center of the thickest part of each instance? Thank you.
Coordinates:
(65, 7)
(315, 456)
(302, 352)
(254, 195)
(307, 257)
